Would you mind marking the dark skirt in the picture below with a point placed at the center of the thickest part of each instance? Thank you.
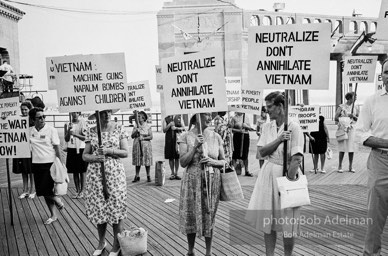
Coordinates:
(21, 165)
(74, 161)
(44, 184)
(237, 139)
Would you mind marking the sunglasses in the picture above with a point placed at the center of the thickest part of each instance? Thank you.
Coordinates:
(40, 117)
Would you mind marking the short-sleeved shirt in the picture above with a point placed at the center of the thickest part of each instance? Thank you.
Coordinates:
(270, 133)
(42, 144)
(78, 128)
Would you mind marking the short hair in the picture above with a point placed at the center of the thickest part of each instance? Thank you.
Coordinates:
(221, 113)
(349, 95)
(26, 104)
(33, 111)
(37, 102)
(276, 97)
(144, 114)
(382, 65)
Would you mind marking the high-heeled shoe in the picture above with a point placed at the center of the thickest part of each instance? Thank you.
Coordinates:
(115, 253)
(98, 252)
(136, 179)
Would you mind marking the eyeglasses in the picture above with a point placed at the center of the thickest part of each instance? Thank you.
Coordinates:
(40, 117)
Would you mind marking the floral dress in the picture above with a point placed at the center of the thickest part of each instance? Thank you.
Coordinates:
(223, 130)
(99, 210)
(193, 215)
(146, 147)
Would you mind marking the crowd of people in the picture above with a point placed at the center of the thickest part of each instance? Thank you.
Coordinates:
(203, 152)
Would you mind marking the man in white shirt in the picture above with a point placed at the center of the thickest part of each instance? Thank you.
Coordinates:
(372, 131)
(7, 77)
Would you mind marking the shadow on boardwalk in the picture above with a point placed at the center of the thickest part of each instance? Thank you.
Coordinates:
(332, 194)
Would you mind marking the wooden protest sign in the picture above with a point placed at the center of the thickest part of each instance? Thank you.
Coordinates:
(252, 102)
(289, 57)
(9, 107)
(306, 116)
(14, 137)
(233, 90)
(90, 82)
(379, 85)
(159, 84)
(194, 83)
(382, 28)
(139, 95)
(359, 69)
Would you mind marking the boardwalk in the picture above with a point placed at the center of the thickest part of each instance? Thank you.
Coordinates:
(332, 194)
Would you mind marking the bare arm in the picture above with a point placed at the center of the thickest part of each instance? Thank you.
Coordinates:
(57, 153)
(272, 146)
(296, 160)
(327, 132)
(337, 114)
(375, 142)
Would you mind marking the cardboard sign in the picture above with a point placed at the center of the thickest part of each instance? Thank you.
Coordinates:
(252, 102)
(159, 85)
(139, 95)
(307, 116)
(9, 107)
(14, 137)
(233, 90)
(382, 27)
(194, 83)
(359, 69)
(379, 85)
(289, 57)
(90, 82)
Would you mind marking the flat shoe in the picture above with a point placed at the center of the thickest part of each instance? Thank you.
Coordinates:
(352, 170)
(32, 195)
(249, 174)
(50, 220)
(340, 171)
(115, 253)
(98, 252)
(172, 177)
(177, 177)
(23, 195)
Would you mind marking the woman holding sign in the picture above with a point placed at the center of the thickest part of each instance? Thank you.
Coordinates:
(101, 211)
(142, 148)
(264, 210)
(346, 116)
(45, 143)
(200, 148)
(23, 165)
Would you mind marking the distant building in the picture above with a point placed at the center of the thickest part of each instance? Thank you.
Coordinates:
(9, 35)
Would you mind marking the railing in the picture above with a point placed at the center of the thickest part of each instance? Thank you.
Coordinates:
(59, 120)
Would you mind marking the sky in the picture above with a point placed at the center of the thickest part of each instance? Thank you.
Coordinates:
(47, 33)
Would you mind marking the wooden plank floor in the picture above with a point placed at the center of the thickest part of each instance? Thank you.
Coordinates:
(73, 234)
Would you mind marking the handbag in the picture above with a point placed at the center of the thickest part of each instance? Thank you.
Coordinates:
(329, 153)
(230, 185)
(58, 171)
(341, 135)
(133, 241)
(60, 189)
(293, 193)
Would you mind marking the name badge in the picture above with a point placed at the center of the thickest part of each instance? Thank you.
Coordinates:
(42, 136)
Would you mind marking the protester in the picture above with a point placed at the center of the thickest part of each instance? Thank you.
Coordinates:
(7, 77)
(101, 211)
(347, 116)
(222, 127)
(319, 141)
(74, 137)
(240, 128)
(38, 102)
(372, 131)
(263, 118)
(172, 127)
(23, 165)
(200, 149)
(45, 143)
(265, 200)
(142, 147)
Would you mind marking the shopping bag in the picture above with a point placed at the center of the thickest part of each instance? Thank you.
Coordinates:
(329, 153)
(60, 189)
(230, 185)
(133, 241)
(293, 193)
(160, 173)
(58, 171)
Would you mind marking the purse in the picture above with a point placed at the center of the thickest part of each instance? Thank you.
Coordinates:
(341, 135)
(60, 189)
(293, 193)
(58, 171)
(160, 173)
(329, 153)
(230, 185)
(133, 241)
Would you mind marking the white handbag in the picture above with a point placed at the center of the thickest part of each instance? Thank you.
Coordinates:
(60, 189)
(293, 193)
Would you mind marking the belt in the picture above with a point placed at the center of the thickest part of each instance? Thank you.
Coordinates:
(380, 151)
